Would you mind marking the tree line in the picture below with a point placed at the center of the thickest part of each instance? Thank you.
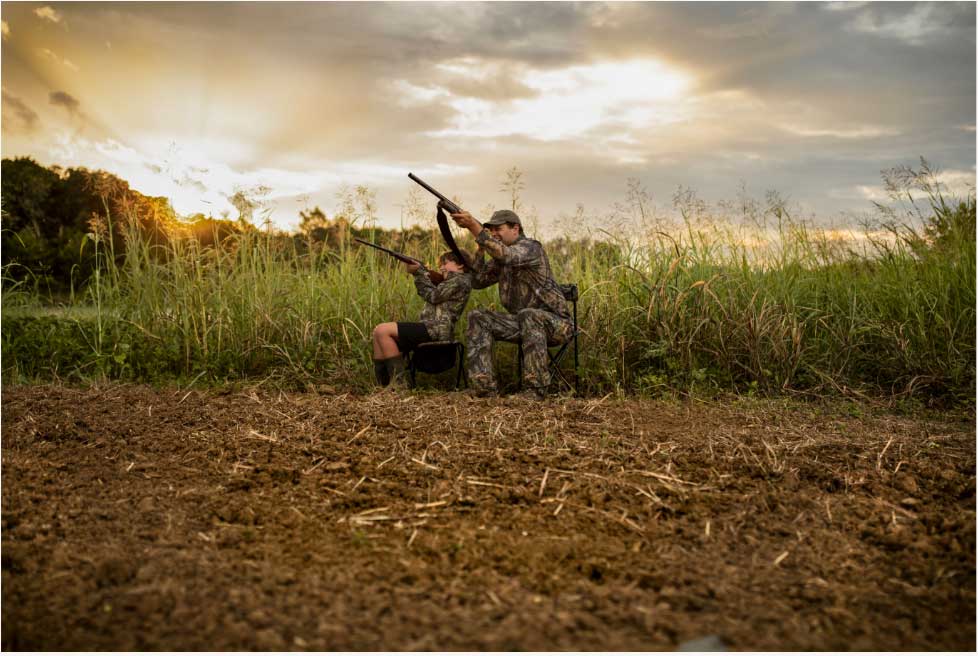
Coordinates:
(51, 215)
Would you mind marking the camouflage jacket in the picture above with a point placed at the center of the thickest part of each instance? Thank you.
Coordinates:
(523, 273)
(443, 304)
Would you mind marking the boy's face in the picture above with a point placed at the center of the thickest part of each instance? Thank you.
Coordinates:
(448, 266)
(506, 233)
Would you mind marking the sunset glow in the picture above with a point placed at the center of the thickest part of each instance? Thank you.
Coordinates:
(202, 101)
(570, 102)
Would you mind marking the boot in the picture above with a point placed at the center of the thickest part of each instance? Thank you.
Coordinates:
(381, 373)
(482, 393)
(395, 369)
(532, 394)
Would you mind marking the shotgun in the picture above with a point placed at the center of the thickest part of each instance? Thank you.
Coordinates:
(444, 205)
(451, 207)
(435, 276)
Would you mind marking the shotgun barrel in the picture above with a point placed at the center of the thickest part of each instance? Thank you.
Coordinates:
(397, 256)
(435, 276)
(449, 205)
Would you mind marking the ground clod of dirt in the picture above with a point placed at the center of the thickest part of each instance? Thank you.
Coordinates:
(143, 519)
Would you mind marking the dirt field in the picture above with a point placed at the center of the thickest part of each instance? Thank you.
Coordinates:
(138, 519)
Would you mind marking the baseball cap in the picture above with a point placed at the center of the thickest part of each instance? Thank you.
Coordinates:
(500, 217)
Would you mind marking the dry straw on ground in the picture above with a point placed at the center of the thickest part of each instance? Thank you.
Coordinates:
(142, 519)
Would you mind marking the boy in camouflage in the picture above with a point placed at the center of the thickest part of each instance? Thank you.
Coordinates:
(537, 312)
(443, 306)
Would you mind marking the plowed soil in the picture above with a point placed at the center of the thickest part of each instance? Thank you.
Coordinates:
(141, 519)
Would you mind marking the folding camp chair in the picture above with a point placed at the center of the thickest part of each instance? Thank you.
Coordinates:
(556, 357)
(436, 357)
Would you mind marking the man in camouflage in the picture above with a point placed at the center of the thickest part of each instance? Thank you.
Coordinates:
(537, 312)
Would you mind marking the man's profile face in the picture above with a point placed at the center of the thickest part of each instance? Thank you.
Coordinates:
(507, 233)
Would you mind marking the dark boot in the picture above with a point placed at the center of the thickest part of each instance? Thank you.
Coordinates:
(532, 394)
(381, 373)
(395, 369)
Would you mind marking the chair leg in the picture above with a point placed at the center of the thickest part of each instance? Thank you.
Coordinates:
(519, 366)
(577, 375)
(410, 368)
(460, 358)
(555, 371)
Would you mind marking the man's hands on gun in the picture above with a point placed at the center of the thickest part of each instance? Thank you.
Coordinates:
(467, 221)
(412, 266)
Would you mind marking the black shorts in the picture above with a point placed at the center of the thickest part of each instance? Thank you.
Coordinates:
(410, 334)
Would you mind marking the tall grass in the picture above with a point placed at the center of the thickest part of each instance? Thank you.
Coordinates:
(707, 308)
(706, 305)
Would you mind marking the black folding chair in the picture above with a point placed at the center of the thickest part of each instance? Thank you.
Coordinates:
(436, 357)
(556, 357)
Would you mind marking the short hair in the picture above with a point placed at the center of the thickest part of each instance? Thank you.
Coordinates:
(450, 256)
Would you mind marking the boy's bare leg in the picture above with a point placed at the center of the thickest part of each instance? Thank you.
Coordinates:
(384, 336)
(388, 362)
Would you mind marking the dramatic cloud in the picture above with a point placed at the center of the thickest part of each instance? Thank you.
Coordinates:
(26, 118)
(952, 183)
(46, 13)
(560, 104)
(195, 182)
(66, 100)
(841, 133)
(812, 99)
(915, 24)
(958, 183)
(53, 56)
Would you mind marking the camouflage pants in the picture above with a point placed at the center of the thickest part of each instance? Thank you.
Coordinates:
(536, 329)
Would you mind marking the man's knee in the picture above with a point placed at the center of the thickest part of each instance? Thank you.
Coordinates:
(531, 320)
(477, 321)
(532, 314)
(563, 332)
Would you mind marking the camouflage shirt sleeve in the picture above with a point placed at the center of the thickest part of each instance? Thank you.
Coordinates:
(523, 253)
(452, 289)
(423, 284)
(484, 274)
(444, 303)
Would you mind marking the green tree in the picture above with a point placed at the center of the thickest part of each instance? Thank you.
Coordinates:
(26, 188)
(312, 222)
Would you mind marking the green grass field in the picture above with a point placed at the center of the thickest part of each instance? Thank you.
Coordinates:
(760, 304)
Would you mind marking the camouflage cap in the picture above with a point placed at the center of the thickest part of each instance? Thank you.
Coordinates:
(500, 217)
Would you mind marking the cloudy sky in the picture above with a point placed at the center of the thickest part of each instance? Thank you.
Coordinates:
(199, 101)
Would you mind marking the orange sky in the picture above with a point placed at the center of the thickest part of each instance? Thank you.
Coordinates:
(288, 102)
